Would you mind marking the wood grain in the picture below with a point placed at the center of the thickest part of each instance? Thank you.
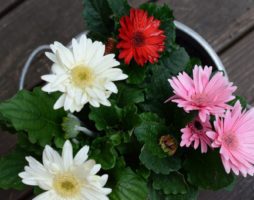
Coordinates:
(31, 24)
(243, 190)
(219, 22)
(40, 27)
(223, 23)
(239, 62)
(8, 6)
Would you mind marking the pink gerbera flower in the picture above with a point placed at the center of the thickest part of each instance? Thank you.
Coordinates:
(234, 135)
(195, 133)
(204, 93)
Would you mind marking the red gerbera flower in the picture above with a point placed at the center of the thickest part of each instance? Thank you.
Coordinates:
(140, 37)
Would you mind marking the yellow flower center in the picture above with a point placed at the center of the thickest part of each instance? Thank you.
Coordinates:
(67, 185)
(82, 76)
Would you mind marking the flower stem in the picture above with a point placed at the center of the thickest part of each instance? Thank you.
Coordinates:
(85, 130)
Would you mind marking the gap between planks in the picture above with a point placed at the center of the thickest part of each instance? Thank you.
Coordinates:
(9, 6)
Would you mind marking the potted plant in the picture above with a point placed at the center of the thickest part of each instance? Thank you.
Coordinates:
(127, 114)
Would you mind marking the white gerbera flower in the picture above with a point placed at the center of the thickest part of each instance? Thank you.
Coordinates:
(82, 73)
(66, 178)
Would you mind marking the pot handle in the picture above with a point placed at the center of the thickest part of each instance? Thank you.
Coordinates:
(28, 63)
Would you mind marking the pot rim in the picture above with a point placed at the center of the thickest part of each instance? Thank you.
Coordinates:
(207, 47)
(180, 26)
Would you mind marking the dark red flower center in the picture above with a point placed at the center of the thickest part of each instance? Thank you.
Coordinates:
(138, 39)
(198, 125)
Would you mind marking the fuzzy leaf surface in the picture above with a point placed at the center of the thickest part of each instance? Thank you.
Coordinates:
(33, 112)
(128, 186)
(206, 170)
(159, 165)
(103, 151)
(173, 183)
(10, 166)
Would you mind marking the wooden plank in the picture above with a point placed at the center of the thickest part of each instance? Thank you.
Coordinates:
(243, 190)
(39, 28)
(239, 62)
(31, 24)
(235, 31)
(9, 5)
(39, 23)
(236, 18)
(219, 22)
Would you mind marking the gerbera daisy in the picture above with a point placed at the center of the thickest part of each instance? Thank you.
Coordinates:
(204, 93)
(140, 37)
(82, 73)
(195, 133)
(234, 135)
(66, 178)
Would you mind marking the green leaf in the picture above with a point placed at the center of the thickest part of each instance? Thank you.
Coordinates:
(113, 117)
(136, 74)
(191, 64)
(24, 143)
(154, 194)
(130, 118)
(149, 132)
(129, 95)
(159, 165)
(97, 17)
(59, 142)
(128, 186)
(230, 187)
(119, 7)
(6, 125)
(150, 121)
(37, 190)
(103, 151)
(173, 183)
(155, 101)
(105, 117)
(115, 138)
(168, 66)
(206, 170)
(144, 172)
(242, 100)
(10, 166)
(165, 15)
(158, 82)
(176, 61)
(39, 120)
(192, 194)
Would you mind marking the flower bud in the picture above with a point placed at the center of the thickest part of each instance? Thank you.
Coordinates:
(69, 125)
(168, 144)
(110, 46)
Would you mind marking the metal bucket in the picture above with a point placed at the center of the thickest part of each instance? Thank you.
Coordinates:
(197, 46)
(194, 44)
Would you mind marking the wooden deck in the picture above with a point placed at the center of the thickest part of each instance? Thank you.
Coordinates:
(228, 25)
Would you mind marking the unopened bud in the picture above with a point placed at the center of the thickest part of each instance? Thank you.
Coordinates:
(168, 144)
(69, 124)
(110, 46)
